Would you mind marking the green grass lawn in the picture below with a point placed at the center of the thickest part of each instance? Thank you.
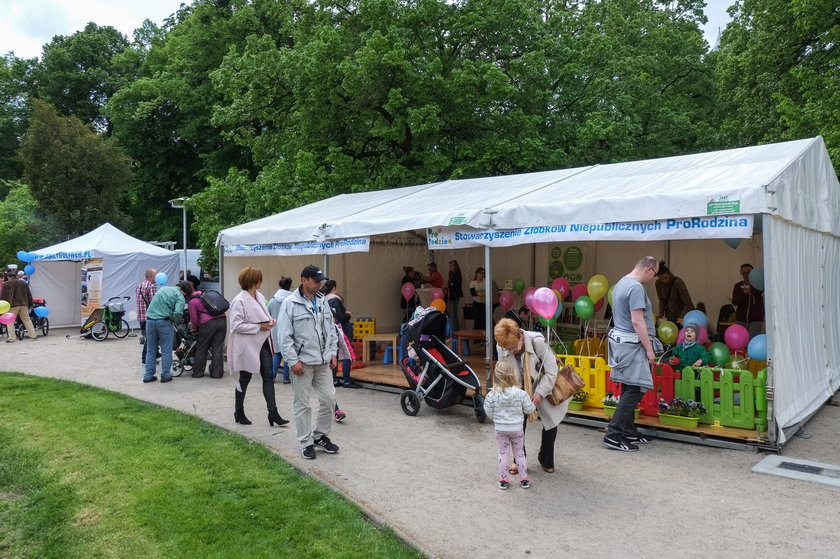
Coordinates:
(89, 473)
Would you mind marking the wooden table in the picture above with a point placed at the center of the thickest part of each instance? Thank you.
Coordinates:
(467, 335)
(393, 338)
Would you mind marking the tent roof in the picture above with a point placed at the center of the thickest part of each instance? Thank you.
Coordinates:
(792, 179)
(105, 240)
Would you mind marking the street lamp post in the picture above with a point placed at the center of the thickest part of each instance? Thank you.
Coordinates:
(178, 204)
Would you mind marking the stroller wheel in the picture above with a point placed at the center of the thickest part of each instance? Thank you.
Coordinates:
(99, 331)
(177, 368)
(410, 402)
(478, 403)
(45, 325)
(20, 330)
(123, 329)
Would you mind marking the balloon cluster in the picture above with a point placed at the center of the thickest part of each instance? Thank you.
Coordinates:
(27, 257)
(736, 343)
(546, 302)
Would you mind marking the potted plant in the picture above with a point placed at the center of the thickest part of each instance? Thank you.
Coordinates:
(680, 413)
(579, 397)
(611, 401)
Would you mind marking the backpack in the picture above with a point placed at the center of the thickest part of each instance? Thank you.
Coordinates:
(214, 303)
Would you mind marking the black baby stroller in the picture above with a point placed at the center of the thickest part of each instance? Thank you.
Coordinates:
(184, 344)
(434, 372)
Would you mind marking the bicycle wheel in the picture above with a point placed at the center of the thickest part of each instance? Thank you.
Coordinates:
(99, 331)
(45, 325)
(122, 329)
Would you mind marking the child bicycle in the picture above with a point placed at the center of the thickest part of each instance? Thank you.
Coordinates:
(107, 319)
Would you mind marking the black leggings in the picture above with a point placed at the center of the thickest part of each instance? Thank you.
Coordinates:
(267, 378)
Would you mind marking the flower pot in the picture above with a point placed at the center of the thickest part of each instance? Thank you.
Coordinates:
(610, 410)
(678, 420)
(575, 406)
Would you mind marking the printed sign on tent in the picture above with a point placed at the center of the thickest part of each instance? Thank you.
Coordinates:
(338, 246)
(706, 227)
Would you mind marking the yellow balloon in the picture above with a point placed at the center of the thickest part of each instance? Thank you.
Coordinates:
(439, 305)
(597, 287)
(4, 307)
(609, 294)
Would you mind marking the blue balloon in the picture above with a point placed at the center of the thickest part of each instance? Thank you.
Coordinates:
(757, 348)
(29, 269)
(757, 278)
(161, 278)
(41, 311)
(696, 317)
(21, 255)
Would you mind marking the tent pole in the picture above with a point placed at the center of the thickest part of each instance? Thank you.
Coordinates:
(488, 312)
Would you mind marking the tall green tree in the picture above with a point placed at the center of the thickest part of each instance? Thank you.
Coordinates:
(77, 74)
(23, 226)
(13, 114)
(73, 172)
(779, 71)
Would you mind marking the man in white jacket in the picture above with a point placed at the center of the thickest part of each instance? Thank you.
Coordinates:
(309, 344)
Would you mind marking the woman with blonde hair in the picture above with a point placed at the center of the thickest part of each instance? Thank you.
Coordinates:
(249, 346)
(531, 356)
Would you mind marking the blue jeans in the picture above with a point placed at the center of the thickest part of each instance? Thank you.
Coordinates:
(159, 332)
(275, 366)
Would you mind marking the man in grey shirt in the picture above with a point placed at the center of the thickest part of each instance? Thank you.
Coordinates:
(631, 353)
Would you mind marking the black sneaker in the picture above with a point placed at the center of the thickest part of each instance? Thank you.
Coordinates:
(308, 452)
(153, 379)
(524, 484)
(351, 384)
(639, 439)
(504, 484)
(623, 445)
(324, 442)
(165, 379)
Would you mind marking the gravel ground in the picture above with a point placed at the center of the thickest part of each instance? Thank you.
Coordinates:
(433, 477)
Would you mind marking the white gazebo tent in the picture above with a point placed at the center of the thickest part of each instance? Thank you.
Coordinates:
(787, 191)
(124, 261)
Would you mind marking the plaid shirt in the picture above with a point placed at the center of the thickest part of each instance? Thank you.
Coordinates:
(143, 293)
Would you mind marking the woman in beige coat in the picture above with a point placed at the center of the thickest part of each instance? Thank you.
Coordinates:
(249, 347)
(535, 361)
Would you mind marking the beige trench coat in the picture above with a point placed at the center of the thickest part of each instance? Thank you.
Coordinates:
(544, 360)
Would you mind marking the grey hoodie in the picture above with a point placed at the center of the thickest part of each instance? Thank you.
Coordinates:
(307, 334)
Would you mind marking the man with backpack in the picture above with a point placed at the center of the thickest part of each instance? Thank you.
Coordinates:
(209, 321)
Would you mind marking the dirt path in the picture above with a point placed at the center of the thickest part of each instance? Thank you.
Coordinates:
(432, 477)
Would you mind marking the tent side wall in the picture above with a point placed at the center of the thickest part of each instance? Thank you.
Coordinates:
(803, 319)
(122, 273)
(59, 282)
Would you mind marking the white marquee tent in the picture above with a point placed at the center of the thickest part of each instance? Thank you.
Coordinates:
(787, 191)
(124, 261)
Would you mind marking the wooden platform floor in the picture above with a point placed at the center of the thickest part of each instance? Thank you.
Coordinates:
(389, 376)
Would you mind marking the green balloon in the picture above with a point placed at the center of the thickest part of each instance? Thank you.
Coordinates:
(667, 332)
(584, 307)
(519, 285)
(720, 354)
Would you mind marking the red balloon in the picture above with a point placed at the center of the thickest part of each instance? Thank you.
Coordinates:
(562, 285)
(529, 293)
(599, 305)
(579, 290)
(506, 300)
(408, 290)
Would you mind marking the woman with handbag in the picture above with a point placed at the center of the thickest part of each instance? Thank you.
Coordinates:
(534, 359)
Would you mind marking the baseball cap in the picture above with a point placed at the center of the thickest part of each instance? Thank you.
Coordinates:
(313, 272)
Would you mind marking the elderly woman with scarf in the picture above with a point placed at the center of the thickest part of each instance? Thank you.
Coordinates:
(536, 363)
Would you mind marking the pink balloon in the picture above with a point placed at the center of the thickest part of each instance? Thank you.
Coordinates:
(736, 337)
(702, 337)
(529, 293)
(8, 318)
(408, 290)
(506, 300)
(578, 291)
(544, 302)
(437, 293)
(562, 285)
